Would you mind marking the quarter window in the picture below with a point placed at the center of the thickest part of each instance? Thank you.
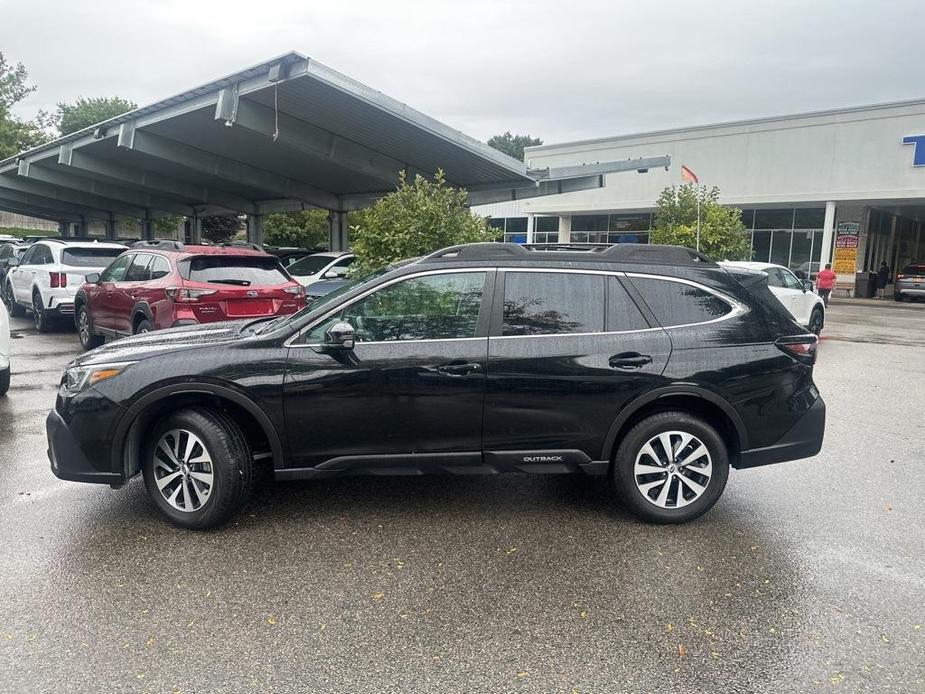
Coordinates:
(435, 307)
(159, 268)
(550, 303)
(678, 303)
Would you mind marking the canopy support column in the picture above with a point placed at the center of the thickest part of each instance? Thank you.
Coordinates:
(255, 229)
(339, 234)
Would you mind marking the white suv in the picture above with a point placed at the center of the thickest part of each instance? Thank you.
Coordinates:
(4, 349)
(49, 274)
(797, 295)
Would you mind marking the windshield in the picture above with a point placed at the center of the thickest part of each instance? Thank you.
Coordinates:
(237, 270)
(89, 257)
(310, 265)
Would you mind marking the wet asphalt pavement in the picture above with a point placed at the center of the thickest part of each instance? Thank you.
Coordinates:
(806, 576)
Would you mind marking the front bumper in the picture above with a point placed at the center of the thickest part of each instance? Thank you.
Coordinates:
(67, 458)
(803, 440)
(80, 438)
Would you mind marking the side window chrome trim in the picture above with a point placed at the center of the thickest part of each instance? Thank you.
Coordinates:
(340, 307)
(737, 307)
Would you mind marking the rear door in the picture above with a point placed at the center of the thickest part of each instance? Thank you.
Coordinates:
(231, 287)
(125, 294)
(568, 349)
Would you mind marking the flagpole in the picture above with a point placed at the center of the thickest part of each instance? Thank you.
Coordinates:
(698, 217)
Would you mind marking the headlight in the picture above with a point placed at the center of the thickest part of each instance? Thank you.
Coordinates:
(77, 378)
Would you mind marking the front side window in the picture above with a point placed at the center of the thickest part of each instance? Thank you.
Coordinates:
(679, 303)
(27, 258)
(790, 280)
(116, 271)
(551, 303)
(435, 307)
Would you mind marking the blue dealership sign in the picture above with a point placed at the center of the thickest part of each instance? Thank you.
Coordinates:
(918, 153)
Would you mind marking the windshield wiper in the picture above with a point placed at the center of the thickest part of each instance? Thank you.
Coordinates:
(239, 283)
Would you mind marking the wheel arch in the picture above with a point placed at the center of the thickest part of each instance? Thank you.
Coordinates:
(141, 311)
(140, 416)
(699, 401)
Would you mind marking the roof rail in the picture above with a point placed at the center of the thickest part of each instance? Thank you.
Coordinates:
(596, 252)
(160, 244)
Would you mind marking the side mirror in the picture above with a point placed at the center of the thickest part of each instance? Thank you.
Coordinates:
(12, 262)
(93, 278)
(807, 286)
(341, 335)
(334, 274)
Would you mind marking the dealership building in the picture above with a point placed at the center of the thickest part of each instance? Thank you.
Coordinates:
(845, 185)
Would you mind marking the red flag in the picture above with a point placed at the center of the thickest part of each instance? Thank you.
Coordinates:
(688, 176)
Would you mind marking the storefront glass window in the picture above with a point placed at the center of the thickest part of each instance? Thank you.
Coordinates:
(748, 218)
(761, 246)
(774, 219)
(802, 248)
(589, 222)
(546, 224)
(809, 218)
(630, 222)
(780, 247)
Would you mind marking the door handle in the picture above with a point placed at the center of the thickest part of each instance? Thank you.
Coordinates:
(630, 360)
(459, 369)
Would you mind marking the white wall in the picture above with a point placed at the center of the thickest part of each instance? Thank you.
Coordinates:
(849, 155)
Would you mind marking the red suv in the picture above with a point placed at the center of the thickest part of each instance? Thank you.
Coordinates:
(163, 284)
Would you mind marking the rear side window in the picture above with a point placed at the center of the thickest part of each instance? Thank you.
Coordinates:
(241, 271)
(89, 257)
(550, 303)
(677, 303)
(138, 270)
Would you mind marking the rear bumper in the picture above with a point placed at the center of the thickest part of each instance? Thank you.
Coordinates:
(909, 291)
(803, 440)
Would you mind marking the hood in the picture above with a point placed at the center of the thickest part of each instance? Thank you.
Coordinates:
(158, 342)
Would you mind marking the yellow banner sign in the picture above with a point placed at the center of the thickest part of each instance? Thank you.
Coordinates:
(845, 261)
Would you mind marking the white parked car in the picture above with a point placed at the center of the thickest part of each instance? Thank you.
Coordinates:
(4, 349)
(46, 278)
(321, 266)
(797, 296)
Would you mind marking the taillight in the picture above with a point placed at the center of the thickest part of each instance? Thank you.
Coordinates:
(901, 277)
(184, 295)
(800, 347)
(297, 290)
(58, 279)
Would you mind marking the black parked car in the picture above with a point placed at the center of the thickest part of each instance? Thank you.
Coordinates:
(649, 366)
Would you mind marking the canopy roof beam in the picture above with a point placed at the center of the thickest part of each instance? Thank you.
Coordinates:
(204, 162)
(50, 206)
(54, 194)
(291, 132)
(107, 170)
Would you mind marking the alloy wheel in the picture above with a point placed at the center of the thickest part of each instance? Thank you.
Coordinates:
(83, 327)
(673, 469)
(183, 470)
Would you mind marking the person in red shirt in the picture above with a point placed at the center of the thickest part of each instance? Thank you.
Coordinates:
(825, 283)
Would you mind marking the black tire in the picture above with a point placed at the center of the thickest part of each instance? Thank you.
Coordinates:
(4, 380)
(16, 311)
(624, 479)
(897, 297)
(232, 467)
(39, 315)
(144, 326)
(816, 321)
(88, 339)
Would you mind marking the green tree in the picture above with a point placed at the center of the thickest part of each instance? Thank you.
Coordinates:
(306, 229)
(220, 227)
(416, 219)
(513, 145)
(15, 133)
(89, 111)
(722, 233)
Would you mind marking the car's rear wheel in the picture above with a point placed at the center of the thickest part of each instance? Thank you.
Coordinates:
(816, 321)
(88, 339)
(4, 380)
(144, 326)
(670, 468)
(39, 315)
(16, 310)
(198, 468)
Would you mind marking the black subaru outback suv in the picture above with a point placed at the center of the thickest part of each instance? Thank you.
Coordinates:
(649, 366)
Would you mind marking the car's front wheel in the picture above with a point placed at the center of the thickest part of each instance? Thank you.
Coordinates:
(16, 310)
(198, 468)
(88, 339)
(670, 468)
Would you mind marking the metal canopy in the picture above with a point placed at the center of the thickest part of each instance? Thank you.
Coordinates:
(286, 134)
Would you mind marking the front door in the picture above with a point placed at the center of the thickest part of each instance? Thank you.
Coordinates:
(106, 299)
(568, 349)
(408, 397)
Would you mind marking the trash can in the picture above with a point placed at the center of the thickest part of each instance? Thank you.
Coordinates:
(865, 285)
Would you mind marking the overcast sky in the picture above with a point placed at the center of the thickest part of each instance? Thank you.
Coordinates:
(560, 70)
